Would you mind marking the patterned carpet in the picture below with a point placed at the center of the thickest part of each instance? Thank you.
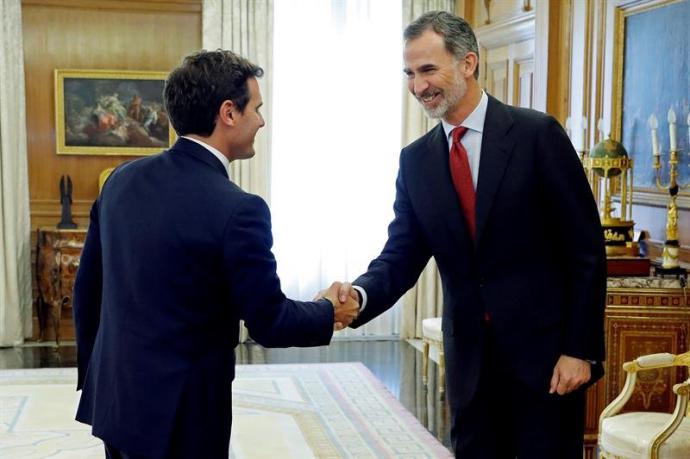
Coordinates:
(311, 411)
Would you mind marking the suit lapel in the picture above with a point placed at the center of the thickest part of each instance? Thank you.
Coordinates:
(496, 149)
(436, 168)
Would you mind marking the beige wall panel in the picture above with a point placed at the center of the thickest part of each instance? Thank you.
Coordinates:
(522, 50)
(496, 10)
(498, 80)
(503, 64)
(89, 35)
(524, 81)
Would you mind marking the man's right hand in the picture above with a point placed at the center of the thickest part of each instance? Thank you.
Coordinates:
(345, 303)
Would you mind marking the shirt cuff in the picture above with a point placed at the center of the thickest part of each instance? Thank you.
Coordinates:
(363, 294)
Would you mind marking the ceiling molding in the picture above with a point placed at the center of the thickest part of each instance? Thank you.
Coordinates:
(507, 31)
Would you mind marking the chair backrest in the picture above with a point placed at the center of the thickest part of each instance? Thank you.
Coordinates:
(103, 177)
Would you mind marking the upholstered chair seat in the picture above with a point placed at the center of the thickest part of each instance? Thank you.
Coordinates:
(647, 435)
(630, 435)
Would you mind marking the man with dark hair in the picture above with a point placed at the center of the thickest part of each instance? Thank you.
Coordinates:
(176, 255)
(497, 195)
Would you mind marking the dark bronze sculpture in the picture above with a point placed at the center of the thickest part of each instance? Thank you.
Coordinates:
(66, 221)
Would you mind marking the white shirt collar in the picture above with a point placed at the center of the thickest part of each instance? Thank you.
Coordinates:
(221, 157)
(475, 120)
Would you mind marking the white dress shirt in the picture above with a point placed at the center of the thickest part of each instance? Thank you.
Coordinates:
(221, 157)
(472, 140)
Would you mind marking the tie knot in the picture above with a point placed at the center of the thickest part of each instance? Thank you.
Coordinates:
(458, 133)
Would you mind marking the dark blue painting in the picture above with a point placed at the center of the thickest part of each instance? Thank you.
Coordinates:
(656, 77)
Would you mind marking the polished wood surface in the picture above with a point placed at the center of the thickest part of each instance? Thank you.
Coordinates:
(98, 34)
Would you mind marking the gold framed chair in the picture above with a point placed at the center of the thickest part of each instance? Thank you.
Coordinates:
(433, 336)
(105, 173)
(648, 435)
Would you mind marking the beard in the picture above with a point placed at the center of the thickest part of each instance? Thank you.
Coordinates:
(449, 98)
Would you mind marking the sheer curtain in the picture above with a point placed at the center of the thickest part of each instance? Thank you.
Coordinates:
(15, 245)
(246, 27)
(336, 141)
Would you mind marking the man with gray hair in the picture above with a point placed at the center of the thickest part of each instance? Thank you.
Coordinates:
(497, 195)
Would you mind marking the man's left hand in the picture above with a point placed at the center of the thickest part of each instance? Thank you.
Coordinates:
(569, 374)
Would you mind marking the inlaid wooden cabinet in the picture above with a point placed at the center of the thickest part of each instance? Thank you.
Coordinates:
(643, 316)
(57, 260)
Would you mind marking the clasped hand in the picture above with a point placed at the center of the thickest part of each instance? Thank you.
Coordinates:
(345, 302)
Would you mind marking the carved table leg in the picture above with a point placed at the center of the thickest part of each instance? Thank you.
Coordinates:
(425, 362)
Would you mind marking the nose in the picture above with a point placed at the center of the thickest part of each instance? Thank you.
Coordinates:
(417, 85)
(263, 122)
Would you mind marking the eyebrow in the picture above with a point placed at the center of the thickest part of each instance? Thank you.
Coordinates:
(422, 68)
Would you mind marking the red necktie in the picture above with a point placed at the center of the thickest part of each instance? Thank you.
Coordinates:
(462, 178)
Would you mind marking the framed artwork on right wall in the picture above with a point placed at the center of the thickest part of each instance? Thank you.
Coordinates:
(652, 76)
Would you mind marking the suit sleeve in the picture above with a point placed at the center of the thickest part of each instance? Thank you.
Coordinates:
(86, 304)
(250, 269)
(570, 201)
(401, 261)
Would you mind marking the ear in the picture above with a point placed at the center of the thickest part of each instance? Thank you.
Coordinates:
(227, 113)
(471, 62)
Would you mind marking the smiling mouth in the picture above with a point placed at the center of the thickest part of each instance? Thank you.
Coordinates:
(428, 97)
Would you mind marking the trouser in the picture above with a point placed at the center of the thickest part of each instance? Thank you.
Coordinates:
(113, 453)
(506, 419)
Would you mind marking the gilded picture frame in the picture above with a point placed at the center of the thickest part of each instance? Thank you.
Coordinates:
(651, 49)
(111, 112)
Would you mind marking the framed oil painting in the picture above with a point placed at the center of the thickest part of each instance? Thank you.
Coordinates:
(652, 75)
(110, 112)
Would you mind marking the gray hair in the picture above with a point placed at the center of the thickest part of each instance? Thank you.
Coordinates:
(457, 34)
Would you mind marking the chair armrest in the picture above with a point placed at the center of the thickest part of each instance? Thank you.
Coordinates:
(682, 388)
(650, 362)
(619, 402)
(661, 360)
(682, 391)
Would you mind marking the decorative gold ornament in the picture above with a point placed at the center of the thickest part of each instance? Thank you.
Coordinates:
(672, 245)
(609, 168)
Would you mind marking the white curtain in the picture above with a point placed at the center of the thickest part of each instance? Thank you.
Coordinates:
(425, 299)
(15, 245)
(245, 27)
(336, 141)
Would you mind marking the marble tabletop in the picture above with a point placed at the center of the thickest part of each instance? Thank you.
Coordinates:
(643, 282)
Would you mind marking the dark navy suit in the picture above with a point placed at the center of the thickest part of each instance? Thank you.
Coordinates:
(537, 266)
(175, 256)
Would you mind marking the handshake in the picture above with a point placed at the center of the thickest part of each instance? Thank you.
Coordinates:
(345, 301)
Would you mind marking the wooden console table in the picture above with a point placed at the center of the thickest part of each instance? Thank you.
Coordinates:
(57, 259)
(643, 316)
